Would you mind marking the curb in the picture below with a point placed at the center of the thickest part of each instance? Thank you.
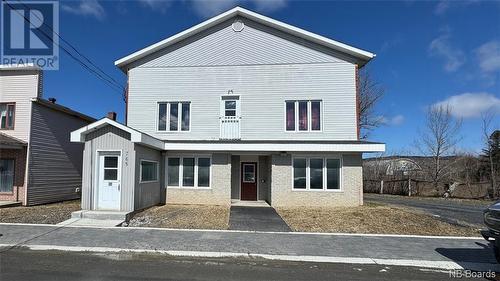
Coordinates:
(445, 265)
(249, 231)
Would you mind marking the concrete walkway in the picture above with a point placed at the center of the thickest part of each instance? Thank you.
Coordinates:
(444, 253)
(256, 219)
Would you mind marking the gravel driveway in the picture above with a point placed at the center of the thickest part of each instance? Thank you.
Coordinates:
(462, 212)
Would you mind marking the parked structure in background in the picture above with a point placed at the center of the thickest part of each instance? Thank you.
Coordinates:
(38, 163)
(465, 176)
(239, 107)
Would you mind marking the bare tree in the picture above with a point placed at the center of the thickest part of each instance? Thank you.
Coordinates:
(487, 119)
(370, 92)
(439, 139)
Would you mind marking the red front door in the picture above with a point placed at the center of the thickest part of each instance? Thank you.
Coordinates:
(249, 181)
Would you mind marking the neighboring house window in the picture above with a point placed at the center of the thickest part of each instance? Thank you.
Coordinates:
(188, 171)
(6, 175)
(315, 173)
(149, 171)
(7, 111)
(174, 116)
(303, 115)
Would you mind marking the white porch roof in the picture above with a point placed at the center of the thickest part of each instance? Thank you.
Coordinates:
(235, 146)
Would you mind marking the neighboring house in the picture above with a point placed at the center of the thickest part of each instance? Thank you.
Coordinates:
(239, 107)
(38, 163)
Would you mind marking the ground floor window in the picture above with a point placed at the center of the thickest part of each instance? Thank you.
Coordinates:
(316, 173)
(189, 171)
(6, 175)
(149, 171)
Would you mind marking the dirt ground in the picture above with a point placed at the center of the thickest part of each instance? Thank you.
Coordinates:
(46, 214)
(370, 218)
(183, 216)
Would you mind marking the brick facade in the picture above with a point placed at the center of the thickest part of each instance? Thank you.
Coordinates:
(282, 194)
(19, 190)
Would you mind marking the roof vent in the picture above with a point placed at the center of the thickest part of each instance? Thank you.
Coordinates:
(238, 25)
(52, 100)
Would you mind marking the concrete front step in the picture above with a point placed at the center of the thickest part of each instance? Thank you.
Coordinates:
(91, 222)
(6, 204)
(101, 215)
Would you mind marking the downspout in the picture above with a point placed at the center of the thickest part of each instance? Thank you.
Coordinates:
(356, 73)
(126, 100)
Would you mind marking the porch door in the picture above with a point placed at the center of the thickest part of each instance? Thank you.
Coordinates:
(249, 181)
(108, 193)
(6, 175)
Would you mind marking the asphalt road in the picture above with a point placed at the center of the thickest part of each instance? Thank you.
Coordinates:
(22, 264)
(453, 211)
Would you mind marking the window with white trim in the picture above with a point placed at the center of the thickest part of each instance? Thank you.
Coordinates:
(174, 116)
(303, 115)
(149, 171)
(189, 171)
(316, 173)
(7, 111)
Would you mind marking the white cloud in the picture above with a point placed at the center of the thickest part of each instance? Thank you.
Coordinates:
(392, 121)
(441, 7)
(269, 5)
(157, 5)
(86, 8)
(441, 47)
(207, 8)
(470, 105)
(488, 55)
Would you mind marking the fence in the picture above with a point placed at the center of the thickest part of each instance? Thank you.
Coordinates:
(410, 187)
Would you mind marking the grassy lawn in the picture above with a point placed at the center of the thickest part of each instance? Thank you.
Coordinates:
(183, 216)
(47, 214)
(370, 218)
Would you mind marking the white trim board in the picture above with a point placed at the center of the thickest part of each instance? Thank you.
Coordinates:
(362, 55)
(276, 147)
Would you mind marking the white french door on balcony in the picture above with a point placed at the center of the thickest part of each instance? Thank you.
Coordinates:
(230, 115)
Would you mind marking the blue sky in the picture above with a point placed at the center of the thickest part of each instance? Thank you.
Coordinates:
(427, 52)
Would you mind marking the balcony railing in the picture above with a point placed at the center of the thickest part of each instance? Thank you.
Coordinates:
(230, 128)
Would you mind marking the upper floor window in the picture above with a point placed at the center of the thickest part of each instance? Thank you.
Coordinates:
(174, 116)
(7, 111)
(303, 115)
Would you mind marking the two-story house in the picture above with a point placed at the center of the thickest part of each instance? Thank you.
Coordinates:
(239, 107)
(38, 162)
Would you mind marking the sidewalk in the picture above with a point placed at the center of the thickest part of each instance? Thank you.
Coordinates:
(444, 253)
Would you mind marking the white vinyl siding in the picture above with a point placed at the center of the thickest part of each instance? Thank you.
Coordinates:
(255, 44)
(19, 87)
(262, 88)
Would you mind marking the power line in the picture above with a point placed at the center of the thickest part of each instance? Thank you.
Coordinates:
(71, 46)
(110, 81)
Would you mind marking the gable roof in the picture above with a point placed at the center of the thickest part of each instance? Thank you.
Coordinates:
(135, 136)
(10, 67)
(362, 55)
(7, 141)
(62, 109)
